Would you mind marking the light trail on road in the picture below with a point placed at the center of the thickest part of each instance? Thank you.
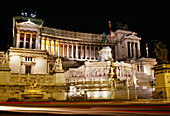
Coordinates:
(92, 110)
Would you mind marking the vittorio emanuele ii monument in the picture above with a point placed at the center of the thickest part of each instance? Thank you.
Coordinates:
(48, 63)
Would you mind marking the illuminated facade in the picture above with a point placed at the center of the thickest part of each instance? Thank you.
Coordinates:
(73, 45)
(29, 33)
(33, 60)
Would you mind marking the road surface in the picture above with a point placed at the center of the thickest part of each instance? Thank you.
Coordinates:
(131, 110)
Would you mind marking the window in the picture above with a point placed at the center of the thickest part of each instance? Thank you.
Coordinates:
(28, 58)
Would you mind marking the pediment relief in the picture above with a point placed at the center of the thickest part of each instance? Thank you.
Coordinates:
(29, 24)
(132, 37)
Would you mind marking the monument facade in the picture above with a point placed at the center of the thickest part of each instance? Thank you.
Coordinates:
(38, 53)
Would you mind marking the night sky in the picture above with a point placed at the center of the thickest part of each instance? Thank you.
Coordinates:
(150, 19)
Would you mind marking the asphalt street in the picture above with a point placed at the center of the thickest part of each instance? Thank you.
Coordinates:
(133, 110)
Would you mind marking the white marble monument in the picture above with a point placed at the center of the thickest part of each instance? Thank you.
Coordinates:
(105, 54)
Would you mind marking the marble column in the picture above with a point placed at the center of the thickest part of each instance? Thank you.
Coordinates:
(130, 45)
(30, 40)
(54, 48)
(85, 51)
(63, 49)
(49, 50)
(76, 50)
(24, 39)
(139, 53)
(119, 50)
(18, 39)
(90, 52)
(117, 71)
(67, 50)
(126, 49)
(116, 54)
(37, 41)
(94, 51)
(98, 52)
(58, 48)
(120, 71)
(134, 51)
(72, 51)
(44, 43)
(81, 51)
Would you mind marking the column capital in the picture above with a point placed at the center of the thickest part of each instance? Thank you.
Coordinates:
(58, 40)
(44, 37)
(64, 42)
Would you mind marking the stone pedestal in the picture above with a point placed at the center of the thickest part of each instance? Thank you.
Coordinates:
(60, 79)
(162, 81)
(146, 65)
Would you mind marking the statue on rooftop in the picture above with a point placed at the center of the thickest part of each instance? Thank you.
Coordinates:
(105, 39)
(120, 26)
(29, 13)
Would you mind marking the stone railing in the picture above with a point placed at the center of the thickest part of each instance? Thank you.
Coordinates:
(143, 77)
(98, 70)
(71, 34)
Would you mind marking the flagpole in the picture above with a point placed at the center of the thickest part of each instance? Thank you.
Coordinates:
(112, 67)
(112, 71)
(110, 37)
(110, 40)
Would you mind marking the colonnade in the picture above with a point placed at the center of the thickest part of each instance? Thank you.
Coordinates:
(134, 50)
(70, 49)
(28, 40)
(73, 49)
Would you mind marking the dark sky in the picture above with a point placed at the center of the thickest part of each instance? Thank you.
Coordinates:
(150, 19)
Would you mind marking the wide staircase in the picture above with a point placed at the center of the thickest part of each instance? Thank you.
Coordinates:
(66, 63)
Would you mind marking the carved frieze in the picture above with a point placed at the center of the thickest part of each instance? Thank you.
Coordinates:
(25, 79)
